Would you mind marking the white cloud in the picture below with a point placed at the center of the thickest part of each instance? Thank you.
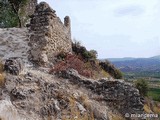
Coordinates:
(129, 10)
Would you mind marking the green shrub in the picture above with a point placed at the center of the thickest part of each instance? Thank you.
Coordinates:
(154, 93)
(7, 16)
(78, 49)
(108, 67)
(12, 13)
(62, 55)
(142, 86)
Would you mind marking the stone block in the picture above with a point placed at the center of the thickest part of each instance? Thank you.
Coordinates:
(14, 66)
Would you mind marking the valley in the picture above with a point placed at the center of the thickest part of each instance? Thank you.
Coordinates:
(134, 69)
(141, 68)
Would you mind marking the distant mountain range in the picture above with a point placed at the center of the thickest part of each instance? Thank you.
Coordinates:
(140, 67)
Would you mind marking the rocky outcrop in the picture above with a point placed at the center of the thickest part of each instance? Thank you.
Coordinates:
(117, 94)
(14, 43)
(14, 66)
(7, 107)
(30, 7)
(38, 95)
(49, 35)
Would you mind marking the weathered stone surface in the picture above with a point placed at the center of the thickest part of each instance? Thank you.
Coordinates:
(30, 7)
(49, 35)
(18, 94)
(13, 66)
(44, 95)
(80, 107)
(118, 94)
(14, 43)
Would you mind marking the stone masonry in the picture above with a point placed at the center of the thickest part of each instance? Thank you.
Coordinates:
(116, 94)
(49, 36)
(30, 7)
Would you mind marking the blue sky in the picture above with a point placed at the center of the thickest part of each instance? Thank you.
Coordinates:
(114, 28)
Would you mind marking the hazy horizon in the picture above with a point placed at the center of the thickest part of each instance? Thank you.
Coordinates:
(115, 29)
(130, 57)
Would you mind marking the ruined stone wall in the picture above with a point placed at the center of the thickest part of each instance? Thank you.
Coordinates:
(30, 7)
(116, 94)
(49, 35)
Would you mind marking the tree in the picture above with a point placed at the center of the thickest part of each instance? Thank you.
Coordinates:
(142, 86)
(17, 5)
(7, 16)
(93, 53)
(83, 52)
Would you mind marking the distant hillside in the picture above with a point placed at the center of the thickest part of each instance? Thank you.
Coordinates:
(155, 57)
(140, 67)
(120, 59)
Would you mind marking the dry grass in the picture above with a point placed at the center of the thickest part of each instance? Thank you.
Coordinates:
(2, 75)
(156, 109)
(115, 117)
(1, 67)
(147, 108)
(97, 71)
(75, 114)
(85, 101)
(152, 106)
(2, 79)
(105, 74)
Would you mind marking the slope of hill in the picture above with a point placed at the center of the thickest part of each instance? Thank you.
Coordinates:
(144, 67)
(35, 94)
(30, 91)
(121, 59)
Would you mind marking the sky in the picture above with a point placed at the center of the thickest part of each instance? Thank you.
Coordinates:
(114, 28)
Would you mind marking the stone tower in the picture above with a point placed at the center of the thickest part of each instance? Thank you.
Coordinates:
(67, 23)
(49, 36)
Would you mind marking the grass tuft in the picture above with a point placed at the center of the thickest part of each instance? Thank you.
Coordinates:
(2, 75)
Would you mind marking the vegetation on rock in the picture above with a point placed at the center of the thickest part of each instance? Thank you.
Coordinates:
(7, 16)
(154, 93)
(72, 62)
(142, 86)
(152, 106)
(2, 76)
(17, 6)
(84, 61)
(11, 13)
(78, 49)
(108, 67)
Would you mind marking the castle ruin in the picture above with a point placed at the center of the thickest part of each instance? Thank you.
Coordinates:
(49, 36)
